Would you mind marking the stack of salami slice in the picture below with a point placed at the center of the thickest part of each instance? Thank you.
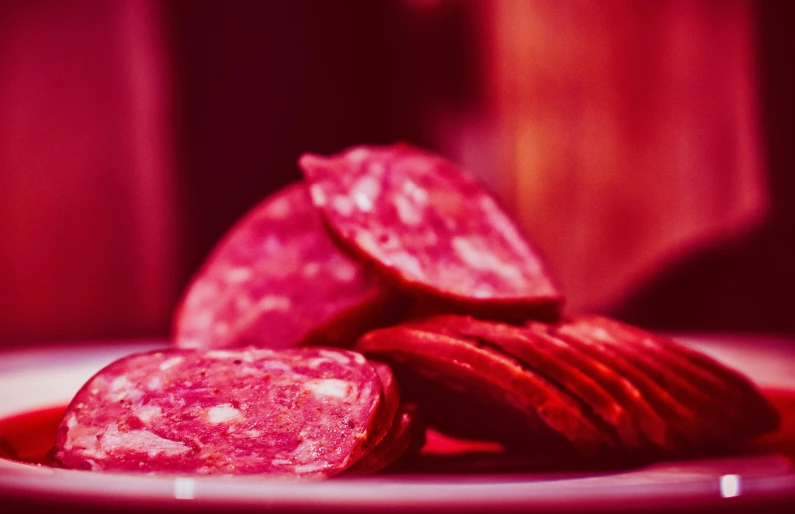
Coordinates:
(404, 259)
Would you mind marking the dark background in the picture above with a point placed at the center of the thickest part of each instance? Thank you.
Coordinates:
(238, 137)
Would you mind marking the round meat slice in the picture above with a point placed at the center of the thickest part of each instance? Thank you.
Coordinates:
(277, 280)
(718, 415)
(305, 413)
(543, 357)
(749, 412)
(655, 429)
(486, 376)
(427, 223)
(677, 402)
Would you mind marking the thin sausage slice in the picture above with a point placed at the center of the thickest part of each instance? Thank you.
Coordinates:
(425, 222)
(305, 413)
(277, 280)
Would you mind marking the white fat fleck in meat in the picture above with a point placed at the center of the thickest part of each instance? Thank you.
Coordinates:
(274, 365)
(311, 269)
(280, 208)
(318, 196)
(317, 465)
(273, 303)
(222, 354)
(335, 356)
(482, 291)
(147, 412)
(223, 413)
(478, 256)
(415, 192)
(170, 363)
(376, 169)
(409, 213)
(359, 358)
(367, 242)
(343, 205)
(271, 244)
(253, 433)
(307, 453)
(330, 387)
(114, 440)
(365, 193)
(123, 389)
(358, 155)
(408, 264)
(238, 275)
(342, 270)
(154, 384)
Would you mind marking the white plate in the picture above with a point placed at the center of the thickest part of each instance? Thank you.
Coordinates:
(49, 376)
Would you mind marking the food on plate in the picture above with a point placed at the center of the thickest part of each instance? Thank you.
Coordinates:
(486, 375)
(277, 280)
(473, 344)
(426, 223)
(744, 410)
(643, 401)
(306, 413)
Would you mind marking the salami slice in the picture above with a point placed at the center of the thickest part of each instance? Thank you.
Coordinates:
(306, 413)
(427, 223)
(749, 412)
(655, 429)
(277, 280)
(487, 376)
(544, 358)
(701, 421)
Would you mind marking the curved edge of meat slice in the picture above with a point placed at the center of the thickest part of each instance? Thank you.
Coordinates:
(749, 411)
(553, 363)
(680, 379)
(277, 280)
(305, 413)
(429, 225)
(655, 428)
(390, 392)
(405, 434)
(489, 376)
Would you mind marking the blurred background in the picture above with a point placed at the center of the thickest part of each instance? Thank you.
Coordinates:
(647, 148)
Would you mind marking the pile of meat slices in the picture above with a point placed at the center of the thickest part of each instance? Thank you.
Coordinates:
(390, 288)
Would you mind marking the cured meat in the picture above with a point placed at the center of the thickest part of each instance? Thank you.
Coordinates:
(749, 412)
(404, 435)
(306, 413)
(549, 361)
(487, 376)
(428, 224)
(655, 429)
(277, 280)
(705, 423)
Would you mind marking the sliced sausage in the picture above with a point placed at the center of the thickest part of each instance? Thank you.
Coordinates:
(486, 376)
(425, 222)
(550, 361)
(277, 280)
(748, 411)
(305, 413)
